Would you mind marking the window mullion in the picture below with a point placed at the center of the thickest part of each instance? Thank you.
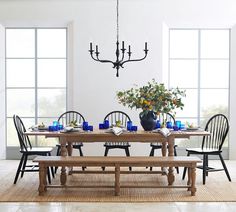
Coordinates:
(199, 77)
(36, 84)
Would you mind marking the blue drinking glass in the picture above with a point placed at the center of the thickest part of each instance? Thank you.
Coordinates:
(134, 128)
(106, 124)
(129, 125)
(85, 125)
(55, 123)
(60, 127)
(169, 124)
(158, 124)
(50, 128)
(90, 128)
(176, 128)
(178, 124)
(101, 126)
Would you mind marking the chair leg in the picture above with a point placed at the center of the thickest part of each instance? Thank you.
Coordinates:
(81, 154)
(52, 168)
(19, 168)
(151, 155)
(128, 155)
(185, 169)
(48, 173)
(105, 154)
(24, 165)
(175, 154)
(207, 165)
(58, 154)
(225, 168)
(58, 150)
(80, 151)
(204, 169)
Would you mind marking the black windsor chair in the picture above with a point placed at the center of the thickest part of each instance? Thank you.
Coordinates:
(218, 126)
(27, 150)
(114, 117)
(65, 119)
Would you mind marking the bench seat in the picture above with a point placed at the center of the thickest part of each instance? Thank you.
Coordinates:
(117, 162)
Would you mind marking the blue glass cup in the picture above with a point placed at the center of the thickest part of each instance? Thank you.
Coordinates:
(55, 123)
(134, 128)
(101, 126)
(176, 128)
(169, 125)
(158, 124)
(90, 128)
(51, 128)
(85, 125)
(106, 124)
(60, 127)
(182, 126)
(129, 125)
(178, 124)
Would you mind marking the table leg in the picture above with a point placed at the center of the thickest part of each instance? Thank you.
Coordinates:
(70, 150)
(42, 179)
(163, 151)
(63, 153)
(117, 180)
(171, 143)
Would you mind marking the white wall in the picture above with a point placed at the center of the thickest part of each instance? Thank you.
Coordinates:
(92, 86)
(2, 93)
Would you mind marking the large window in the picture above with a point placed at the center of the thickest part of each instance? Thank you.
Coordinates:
(36, 64)
(199, 63)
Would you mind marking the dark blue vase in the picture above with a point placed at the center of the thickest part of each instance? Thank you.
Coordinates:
(148, 120)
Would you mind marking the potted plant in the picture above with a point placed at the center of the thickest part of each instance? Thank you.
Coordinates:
(153, 99)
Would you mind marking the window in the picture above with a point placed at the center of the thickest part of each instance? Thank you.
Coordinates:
(199, 63)
(36, 67)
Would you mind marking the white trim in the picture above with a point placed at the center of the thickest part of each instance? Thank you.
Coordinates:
(2, 94)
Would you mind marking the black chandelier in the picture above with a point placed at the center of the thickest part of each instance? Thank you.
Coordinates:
(120, 60)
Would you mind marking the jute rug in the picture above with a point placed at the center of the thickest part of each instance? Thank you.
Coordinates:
(217, 188)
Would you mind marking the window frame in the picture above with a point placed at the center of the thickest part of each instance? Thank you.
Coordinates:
(199, 59)
(35, 87)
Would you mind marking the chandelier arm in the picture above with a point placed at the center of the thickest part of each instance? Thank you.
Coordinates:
(102, 61)
(134, 60)
(94, 57)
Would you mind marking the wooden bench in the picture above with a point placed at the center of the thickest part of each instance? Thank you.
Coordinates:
(117, 162)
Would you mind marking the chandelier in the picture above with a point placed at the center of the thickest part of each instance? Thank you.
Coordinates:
(120, 53)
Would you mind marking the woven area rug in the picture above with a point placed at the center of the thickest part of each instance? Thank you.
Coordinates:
(217, 187)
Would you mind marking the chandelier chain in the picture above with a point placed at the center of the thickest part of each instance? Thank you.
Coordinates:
(117, 20)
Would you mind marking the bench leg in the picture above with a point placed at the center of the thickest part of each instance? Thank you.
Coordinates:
(42, 179)
(63, 175)
(189, 182)
(171, 176)
(117, 180)
(193, 181)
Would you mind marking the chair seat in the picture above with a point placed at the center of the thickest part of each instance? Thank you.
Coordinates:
(159, 146)
(76, 146)
(37, 150)
(117, 144)
(204, 150)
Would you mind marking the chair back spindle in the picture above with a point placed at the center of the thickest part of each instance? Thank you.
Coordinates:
(23, 139)
(115, 116)
(70, 116)
(218, 126)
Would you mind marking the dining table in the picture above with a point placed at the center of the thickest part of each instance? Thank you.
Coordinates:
(66, 140)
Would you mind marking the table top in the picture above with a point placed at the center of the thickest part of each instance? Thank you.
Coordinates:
(103, 135)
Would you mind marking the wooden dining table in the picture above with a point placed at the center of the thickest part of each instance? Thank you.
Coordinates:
(66, 139)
